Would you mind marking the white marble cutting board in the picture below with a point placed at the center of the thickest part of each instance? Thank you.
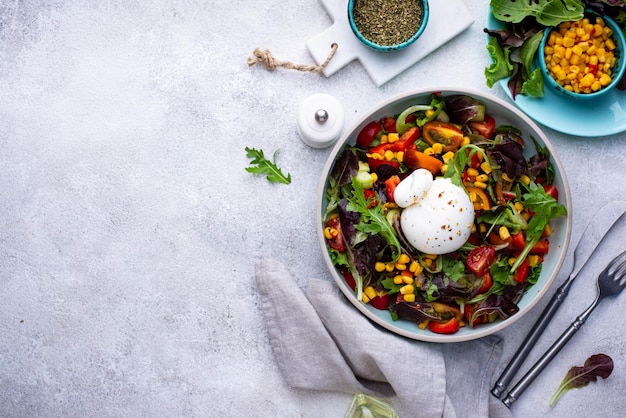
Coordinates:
(447, 19)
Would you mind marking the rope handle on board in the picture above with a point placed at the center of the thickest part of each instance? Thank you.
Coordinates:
(265, 58)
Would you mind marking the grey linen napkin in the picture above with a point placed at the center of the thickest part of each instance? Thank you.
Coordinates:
(321, 342)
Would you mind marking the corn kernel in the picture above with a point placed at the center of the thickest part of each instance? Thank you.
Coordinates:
(379, 267)
(472, 172)
(482, 227)
(525, 179)
(364, 298)
(482, 177)
(466, 140)
(389, 267)
(370, 292)
(409, 298)
(400, 156)
(485, 167)
(503, 233)
(533, 260)
(398, 279)
(408, 279)
(400, 266)
(406, 289)
(404, 258)
(512, 261)
(437, 148)
(374, 177)
(415, 268)
(547, 230)
(389, 155)
(480, 184)
(429, 151)
(330, 233)
(518, 206)
(506, 177)
(447, 156)
(392, 137)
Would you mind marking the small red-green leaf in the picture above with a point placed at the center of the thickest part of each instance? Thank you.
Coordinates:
(598, 365)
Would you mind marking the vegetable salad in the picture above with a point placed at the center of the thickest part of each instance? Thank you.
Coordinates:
(459, 153)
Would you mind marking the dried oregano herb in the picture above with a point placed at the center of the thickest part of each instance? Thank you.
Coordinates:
(387, 22)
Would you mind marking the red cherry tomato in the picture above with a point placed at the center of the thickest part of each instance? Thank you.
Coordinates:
(552, 191)
(332, 229)
(522, 272)
(368, 134)
(449, 327)
(380, 302)
(479, 260)
(389, 124)
(484, 128)
(487, 283)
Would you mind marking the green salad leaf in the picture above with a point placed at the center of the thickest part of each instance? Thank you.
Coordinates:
(547, 12)
(501, 66)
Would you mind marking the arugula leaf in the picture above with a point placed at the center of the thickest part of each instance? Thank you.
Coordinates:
(545, 208)
(598, 365)
(261, 165)
(547, 12)
(373, 220)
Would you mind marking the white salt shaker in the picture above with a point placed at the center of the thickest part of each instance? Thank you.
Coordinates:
(320, 120)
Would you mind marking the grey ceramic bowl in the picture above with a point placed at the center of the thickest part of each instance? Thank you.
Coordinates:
(388, 48)
(505, 114)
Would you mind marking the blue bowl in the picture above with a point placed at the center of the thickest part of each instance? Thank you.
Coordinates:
(617, 72)
(389, 48)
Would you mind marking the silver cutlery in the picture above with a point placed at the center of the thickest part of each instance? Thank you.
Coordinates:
(610, 282)
(595, 231)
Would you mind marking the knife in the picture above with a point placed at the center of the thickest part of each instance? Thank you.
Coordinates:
(595, 231)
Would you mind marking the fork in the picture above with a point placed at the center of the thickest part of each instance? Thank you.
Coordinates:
(610, 282)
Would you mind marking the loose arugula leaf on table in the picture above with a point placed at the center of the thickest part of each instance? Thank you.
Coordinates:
(546, 12)
(598, 365)
(261, 165)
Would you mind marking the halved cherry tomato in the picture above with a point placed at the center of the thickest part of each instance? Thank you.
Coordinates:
(482, 200)
(552, 191)
(389, 124)
(380, 302)
(349, 278)
(519, 241)
(406, 139)
(370, 196)
(390, 184)
(495, 239)
(449, 327)
(446, 311)
(444, 133)
(368, 134)
(415, 159)
(541, 247)
(468, 312)
(375, 164)
(484, 128)
(487, 283)
(480, 259)
(332, 229)
(521, 274)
